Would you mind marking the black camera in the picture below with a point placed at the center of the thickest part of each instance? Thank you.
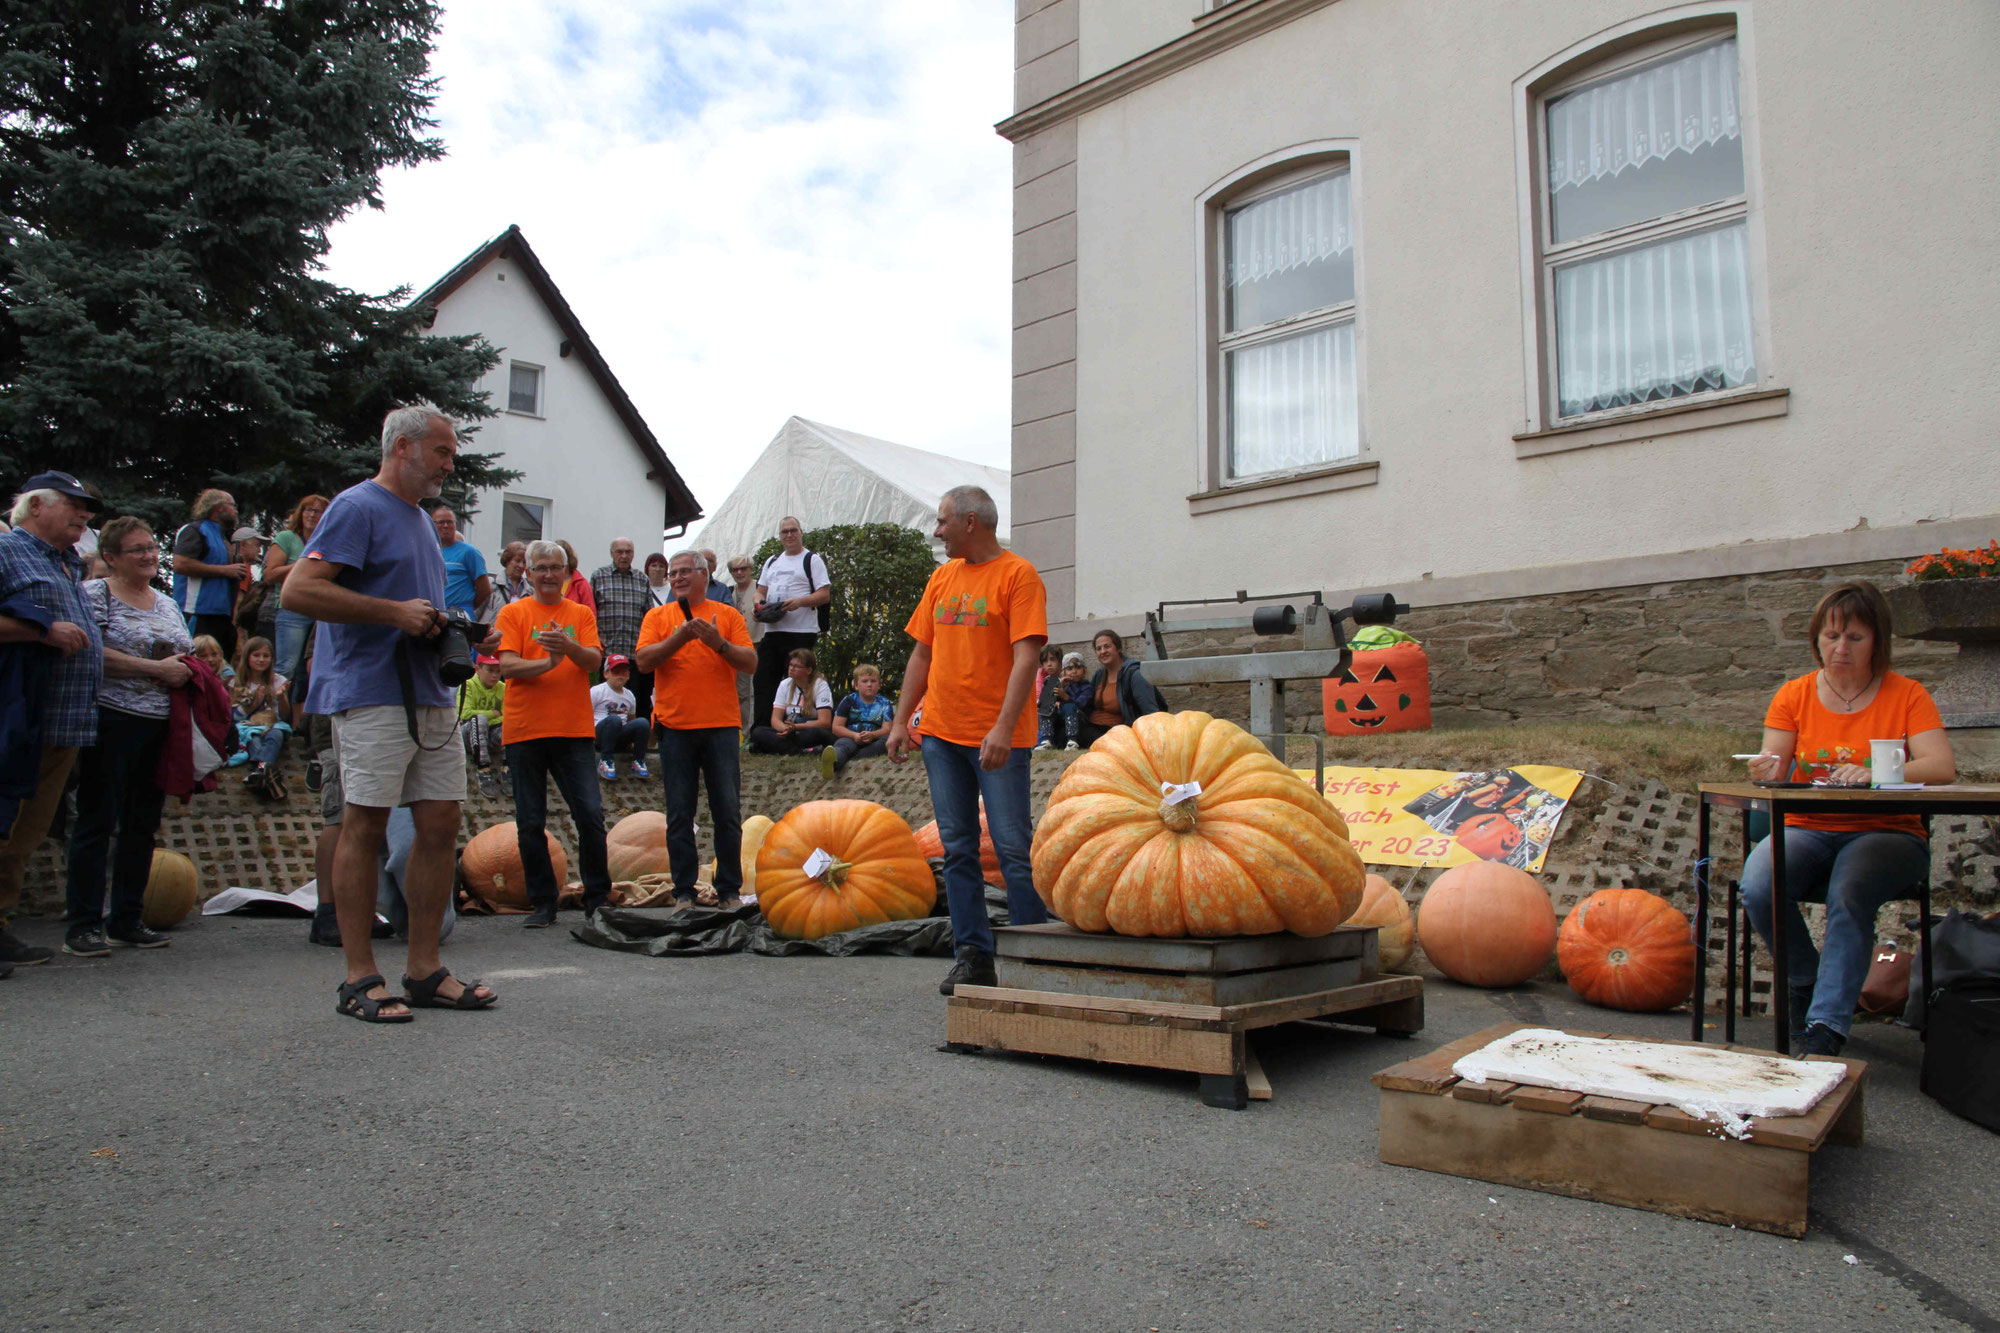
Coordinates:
(455, 644)
(770, 613)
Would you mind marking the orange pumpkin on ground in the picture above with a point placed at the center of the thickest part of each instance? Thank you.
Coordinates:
(1627, 949)
(1255, 852)
(637, 845)
(173, 889)
(491, 865)
(1487, 924)
(1380, 690)
(875, 871)
(932, 843)
(1382, 906)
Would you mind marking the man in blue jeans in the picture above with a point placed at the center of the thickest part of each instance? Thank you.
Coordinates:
(979, 627)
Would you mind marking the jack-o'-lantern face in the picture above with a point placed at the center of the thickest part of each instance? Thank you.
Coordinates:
(1384, 689)
(1489, 837)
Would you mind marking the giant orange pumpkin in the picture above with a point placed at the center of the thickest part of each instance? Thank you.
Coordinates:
(1490, 836)
(491, 865)
(172, 890)
(1627, 949)
(1487, 924)
(1382, 906)
(932, 843)
(875, 873)
(637, 845)
(1257, 851)
(1380, 690)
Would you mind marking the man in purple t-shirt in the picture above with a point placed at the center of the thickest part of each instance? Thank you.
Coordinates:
(373, 576)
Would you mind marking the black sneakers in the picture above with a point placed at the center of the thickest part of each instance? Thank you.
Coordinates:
(1821, 1040)
(17, 952)
(973, 968)
(325, 927)
(88, 943)
(540, 917)
(140, 936)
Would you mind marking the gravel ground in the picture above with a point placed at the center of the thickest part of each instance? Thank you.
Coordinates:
(192, 1138)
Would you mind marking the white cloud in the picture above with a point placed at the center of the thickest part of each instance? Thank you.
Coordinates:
(758, 209)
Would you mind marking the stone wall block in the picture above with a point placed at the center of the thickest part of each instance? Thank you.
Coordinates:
(1584, 668)
(1752, 632)
(1683, 659)
(1670, 613)
(1656, 692)
(1529, 618)
(1507, 648)
(1787, 659)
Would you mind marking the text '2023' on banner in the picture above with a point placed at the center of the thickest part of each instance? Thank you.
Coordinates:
(1423, 816)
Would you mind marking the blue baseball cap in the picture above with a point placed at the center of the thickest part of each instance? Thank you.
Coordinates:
(68, 485)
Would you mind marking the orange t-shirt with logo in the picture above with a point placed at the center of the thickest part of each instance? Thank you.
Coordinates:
(558, 702)
(695, 689)
(971, 616)
(1826, 739)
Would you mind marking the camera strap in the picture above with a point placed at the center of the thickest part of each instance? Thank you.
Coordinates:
(405, 679)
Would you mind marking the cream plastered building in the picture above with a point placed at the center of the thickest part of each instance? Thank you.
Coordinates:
(1528, 311)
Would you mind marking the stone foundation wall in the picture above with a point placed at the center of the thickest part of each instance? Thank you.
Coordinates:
(1708, 651)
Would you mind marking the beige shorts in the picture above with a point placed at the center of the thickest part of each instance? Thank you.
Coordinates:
(381, 767)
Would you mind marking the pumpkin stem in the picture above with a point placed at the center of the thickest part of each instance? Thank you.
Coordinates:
(835, 873)
(1180, 816)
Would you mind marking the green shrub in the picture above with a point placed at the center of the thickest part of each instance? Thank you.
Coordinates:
(878, 572)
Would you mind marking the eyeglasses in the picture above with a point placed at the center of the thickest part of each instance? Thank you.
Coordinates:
(150, 548)
(680, 573)
(548, 569)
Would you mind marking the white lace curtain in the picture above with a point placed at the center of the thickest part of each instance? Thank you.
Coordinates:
(1655, 322)
(1299, 226)
(1676, 106)
(1292, 402)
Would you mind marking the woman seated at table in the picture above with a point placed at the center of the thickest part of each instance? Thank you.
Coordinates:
(1118, 692)
(1819, 727)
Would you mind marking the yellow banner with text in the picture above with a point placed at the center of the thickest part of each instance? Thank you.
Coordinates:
(1428, 817)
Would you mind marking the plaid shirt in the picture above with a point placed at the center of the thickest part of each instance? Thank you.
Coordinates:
(623, 599)
(50, 578)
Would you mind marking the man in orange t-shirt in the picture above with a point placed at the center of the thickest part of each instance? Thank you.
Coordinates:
(979, 629)
(696, 648)
(548, 648)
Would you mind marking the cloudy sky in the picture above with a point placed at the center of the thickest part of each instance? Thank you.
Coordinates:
(759, 208)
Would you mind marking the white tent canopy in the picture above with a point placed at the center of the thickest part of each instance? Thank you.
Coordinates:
(826, 475)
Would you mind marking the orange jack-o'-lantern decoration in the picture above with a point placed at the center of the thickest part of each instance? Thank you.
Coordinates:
(1384, 689)
(1489, 837)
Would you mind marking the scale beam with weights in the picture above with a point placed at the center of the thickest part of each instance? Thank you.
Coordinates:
(1324, 652)
(1192, 1004)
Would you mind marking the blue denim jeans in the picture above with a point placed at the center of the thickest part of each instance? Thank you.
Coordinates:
(958, 784)
(706, 754)
(267, 745)
(572, 762)
(397, 842)
(1853, 874)
(624, 733)
(115, 795)
(290, 646)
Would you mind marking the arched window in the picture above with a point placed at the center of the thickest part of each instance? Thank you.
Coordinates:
(1645, 275)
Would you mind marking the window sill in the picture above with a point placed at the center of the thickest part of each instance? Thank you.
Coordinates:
(532, 416)
(1655, 420)
(1342, 478)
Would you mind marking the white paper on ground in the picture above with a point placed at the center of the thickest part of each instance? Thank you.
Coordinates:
(305, 898)
(1706, 1082)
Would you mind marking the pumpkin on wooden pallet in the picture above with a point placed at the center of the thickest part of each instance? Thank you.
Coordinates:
(491, 865)
(1254, 851)
(1382, 906)
(173, 889)
(637, 845)
(830, 866)
(932, 843)
(1627, 949)
(1487, 924)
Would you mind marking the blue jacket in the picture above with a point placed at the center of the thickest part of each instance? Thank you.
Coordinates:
(1136, 695)
(198, 596)
(24, 671)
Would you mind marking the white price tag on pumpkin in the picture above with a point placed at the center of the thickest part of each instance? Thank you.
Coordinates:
(1178, 792)
(816, 864)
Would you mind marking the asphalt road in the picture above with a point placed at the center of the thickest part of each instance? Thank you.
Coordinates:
(192, 1138)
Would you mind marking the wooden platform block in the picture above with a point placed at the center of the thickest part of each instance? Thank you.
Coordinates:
(1156, 1046)
(1607, 1148)
(1213, 988)
(1055, 942)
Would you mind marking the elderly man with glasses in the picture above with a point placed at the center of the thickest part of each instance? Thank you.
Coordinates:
(696, 650)
(52, 661)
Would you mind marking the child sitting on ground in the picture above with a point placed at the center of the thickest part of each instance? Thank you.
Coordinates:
(860, 723)
(479, 719)
(262, 707)
(210, 652)
(1068, 703)
(615, 709)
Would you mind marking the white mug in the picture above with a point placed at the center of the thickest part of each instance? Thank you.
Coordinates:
(1885, 761)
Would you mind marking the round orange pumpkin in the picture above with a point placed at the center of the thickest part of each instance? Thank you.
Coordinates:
(491, 865)
(1627, 949)
(1487, 924)
(637, 845)
(932, 843)
(1382, 906)
(876, 871)
(1256, 852)
(173, 888)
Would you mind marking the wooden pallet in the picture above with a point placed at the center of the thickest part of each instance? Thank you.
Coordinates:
(1603, 1148)
(1175, 1004)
